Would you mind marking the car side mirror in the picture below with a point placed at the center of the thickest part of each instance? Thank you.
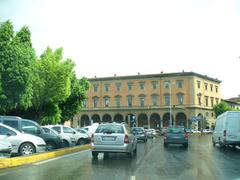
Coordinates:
(38, 131)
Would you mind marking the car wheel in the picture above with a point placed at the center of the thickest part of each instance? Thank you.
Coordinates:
(165, 145)
(65, 143)
(185, 145)
(213, 143)
(81, 142)
(26, 149)
(51, 146)
(135, 150)
(95, 154)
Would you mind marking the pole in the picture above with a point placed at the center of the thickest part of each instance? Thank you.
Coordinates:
(170, 99)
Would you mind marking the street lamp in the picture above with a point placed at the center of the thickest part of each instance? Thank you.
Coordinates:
(170, 100)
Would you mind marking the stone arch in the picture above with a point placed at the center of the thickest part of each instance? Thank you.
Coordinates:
(96, 118)
(106, 118)
(85, 121)
(181, 119)
(166, 120)
(155, 121)
(118, 118)
(143, 120)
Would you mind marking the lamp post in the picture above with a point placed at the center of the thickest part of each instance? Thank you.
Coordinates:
(170, 103)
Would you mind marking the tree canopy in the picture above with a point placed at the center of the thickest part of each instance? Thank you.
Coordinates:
(43, 88)
(221, 108)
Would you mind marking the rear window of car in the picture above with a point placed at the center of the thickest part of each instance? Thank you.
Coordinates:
(175, 130)
(110, 129)
(138, 130)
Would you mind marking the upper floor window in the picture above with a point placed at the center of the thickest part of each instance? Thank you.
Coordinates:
(211, 87)
(95, 102)
(106, 101)
(95, 87)
(118, 101)
(142, 85)
(142, 100)
(130, 101)
(106, 87)
(167, 99)
(118, 86)
(217, 100)
(167, 84)
(130, 86)
(216, 88)
(179, 84)
(212, 103)
(206, 100)
(85, 103)
(199, 84)
(154, 84)
(180, 97)
(154, 99)
(206, 86)
(199, 96)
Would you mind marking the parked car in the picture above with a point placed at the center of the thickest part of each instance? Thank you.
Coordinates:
(23, 144)
(151, 133)
(227, 129)
(84, 131)
(68, 140)
(207, 131)
(176, 135)
(80, 138)
(139, 133)
(91, 129)
(31, 127)
(5, 148)
(113, 138)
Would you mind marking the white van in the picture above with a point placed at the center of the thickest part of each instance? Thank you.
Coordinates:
(227, 129)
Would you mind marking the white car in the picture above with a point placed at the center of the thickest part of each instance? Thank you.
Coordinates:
(80, 138)
(5, 149)
(23, 144)
(68, 139)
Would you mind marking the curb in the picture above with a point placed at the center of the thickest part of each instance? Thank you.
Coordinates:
(19, 161)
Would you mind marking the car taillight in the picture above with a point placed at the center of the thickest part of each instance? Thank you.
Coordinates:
(92, 138)
(224, 133)
(126, 139)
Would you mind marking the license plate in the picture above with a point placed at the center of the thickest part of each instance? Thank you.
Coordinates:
(108, 138)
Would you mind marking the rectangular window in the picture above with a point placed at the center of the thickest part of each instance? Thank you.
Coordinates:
(211, 87)
(167, 84)
(118, 101)
(216, 88)
(212, 103)
(106, 101)
(142, 101)
(130, 86)
(95, 102)
(206, 86)
(154, 100)
(199, 84)
(106, 87)
(167, 100)
(180, 84)
(180, 99)
(217, 100)
(118, 87)
(154, 84)
(199, 100)
(142, 85)
(85, 103)
(95, 88)
(206, 100)
(129, 100)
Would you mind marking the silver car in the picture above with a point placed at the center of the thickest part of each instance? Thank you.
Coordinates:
(23, 144)
(5, 149)
(113, 138)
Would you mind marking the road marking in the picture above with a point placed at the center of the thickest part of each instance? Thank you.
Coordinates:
(53, 159)
(133, 177)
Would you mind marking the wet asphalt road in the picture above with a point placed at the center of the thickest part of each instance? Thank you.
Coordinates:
(152, 162)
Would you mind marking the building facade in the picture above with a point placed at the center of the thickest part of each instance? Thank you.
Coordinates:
(152, 101)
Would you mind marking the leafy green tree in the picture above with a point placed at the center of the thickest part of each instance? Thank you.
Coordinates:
(51, 85)
(74, 102)
(221, 108)
(17, 58)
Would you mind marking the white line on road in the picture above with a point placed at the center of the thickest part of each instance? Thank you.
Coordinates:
(133, 177)
(53, 159)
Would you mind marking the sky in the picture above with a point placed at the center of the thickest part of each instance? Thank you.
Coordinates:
(127, 37)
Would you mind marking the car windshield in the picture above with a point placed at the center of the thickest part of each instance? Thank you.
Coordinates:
(110, 129)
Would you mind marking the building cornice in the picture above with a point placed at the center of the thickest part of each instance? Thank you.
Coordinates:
(147, 76)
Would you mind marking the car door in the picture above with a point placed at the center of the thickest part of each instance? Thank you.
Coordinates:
(10, 136)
